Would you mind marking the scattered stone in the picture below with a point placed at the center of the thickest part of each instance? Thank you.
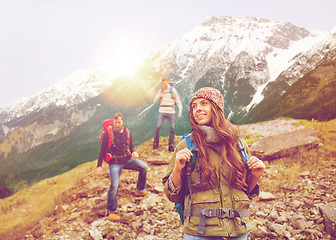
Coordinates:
(58, 209)
(300, 224)
(296, 203)
(158, 161)
(273, 215)
(158, 189)
(95, 234)
(274, 147)
(261, 214)
(329, 213)
(304, 173)
(281, 220)
(266, 196)
(260, 232)
(280, 230)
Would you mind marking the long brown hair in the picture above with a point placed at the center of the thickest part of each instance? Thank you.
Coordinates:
(229, 135)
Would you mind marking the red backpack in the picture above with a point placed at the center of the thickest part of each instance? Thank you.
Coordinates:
(108, 126)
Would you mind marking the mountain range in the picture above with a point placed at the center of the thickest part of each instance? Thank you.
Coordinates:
(265, 69)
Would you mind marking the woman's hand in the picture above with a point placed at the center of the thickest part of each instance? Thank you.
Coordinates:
(256, 166)
(181, 158)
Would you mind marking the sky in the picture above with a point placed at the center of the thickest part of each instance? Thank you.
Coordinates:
(43, 41)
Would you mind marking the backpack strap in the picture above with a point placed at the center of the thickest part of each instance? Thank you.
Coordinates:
(128, 134)
(171, 90)
(111, 136)
(108, 129)
(242, 150)
(193, 148)
(190, 166)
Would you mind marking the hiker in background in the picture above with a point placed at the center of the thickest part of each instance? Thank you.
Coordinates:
(216, 199)
(168, 97)
(122, 158)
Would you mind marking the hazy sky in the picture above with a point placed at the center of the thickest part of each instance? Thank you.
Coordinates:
(42, 41)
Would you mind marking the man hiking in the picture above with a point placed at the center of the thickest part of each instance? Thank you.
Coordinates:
(121, 158)
(168, 97)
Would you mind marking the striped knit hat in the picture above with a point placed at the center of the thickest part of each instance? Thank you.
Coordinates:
(211, 94)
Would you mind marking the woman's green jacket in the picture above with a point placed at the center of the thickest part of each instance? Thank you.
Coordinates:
(222, 196)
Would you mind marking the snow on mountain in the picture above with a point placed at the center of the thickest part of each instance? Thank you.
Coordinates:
(77, 87)
(240, 56)
(226, 37)
(233, 53)
(231, 36)
(280, 60)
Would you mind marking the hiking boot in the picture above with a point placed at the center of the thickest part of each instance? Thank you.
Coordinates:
(112, 217)
(141, 194)
(171, 148)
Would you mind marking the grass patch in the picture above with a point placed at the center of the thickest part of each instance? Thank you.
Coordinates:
(25, 208)
(250, 138)
(313, 160)
(280, 170)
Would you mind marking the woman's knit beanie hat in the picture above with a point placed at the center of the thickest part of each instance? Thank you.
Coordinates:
(211, 94)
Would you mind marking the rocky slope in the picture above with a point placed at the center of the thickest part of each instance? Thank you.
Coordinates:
(293, 214)
(291, 210)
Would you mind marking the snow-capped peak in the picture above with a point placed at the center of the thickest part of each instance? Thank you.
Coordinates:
(75, 88)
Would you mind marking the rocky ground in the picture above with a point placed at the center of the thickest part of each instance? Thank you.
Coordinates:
(294, 212)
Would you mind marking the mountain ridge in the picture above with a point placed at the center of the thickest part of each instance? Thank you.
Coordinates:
(239, 56)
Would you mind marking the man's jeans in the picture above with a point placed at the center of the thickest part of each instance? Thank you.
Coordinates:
(190, 237)
(171, 119)
(115, 171)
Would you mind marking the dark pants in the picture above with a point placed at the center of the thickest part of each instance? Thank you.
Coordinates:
(171, 120)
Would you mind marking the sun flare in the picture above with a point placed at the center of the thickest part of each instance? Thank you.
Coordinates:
(120, 54)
